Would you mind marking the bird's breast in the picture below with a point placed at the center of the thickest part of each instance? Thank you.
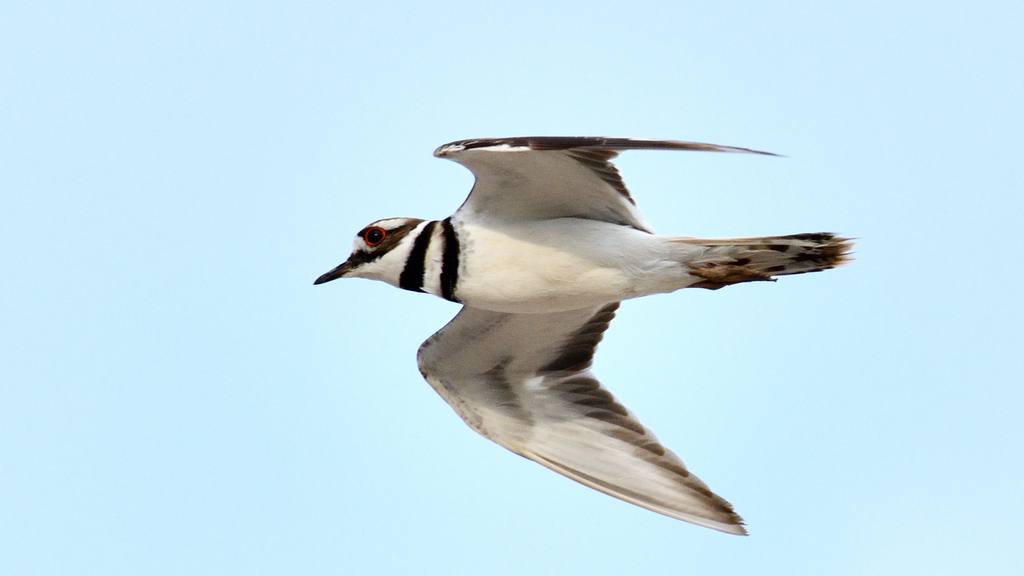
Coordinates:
(551, 266)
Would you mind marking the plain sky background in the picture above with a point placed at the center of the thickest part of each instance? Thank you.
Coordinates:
(176, 397)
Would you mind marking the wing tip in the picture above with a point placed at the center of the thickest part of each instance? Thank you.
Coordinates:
(736, 530)
(714, 511)
(734, 526)
(566, 142)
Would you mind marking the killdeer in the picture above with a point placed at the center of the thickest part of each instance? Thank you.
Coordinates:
(540, 254)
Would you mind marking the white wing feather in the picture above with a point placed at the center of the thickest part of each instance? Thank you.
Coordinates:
(543, 177)
(523, 381)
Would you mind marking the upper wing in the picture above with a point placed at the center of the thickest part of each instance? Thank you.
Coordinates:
(524, 381)
(544, 177)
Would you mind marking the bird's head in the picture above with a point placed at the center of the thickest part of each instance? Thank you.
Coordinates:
(379, 252)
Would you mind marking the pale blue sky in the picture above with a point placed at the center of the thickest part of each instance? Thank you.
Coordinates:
(177, 398)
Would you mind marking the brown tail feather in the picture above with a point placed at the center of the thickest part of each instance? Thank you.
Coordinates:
(733, 260)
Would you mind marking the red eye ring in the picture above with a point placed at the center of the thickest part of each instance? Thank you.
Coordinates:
(374, 236)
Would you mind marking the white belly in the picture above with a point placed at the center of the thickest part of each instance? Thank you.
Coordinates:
(563, 264)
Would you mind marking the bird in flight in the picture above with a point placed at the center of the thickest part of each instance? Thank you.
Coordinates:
(540, 254)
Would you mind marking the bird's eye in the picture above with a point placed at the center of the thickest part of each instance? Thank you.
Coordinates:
(374, 236)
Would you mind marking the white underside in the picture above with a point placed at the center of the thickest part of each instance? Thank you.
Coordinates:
(565, 264)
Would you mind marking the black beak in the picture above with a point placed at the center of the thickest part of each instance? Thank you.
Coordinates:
(334, 274)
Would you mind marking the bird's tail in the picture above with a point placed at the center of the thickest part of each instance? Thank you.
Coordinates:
(733, 260)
